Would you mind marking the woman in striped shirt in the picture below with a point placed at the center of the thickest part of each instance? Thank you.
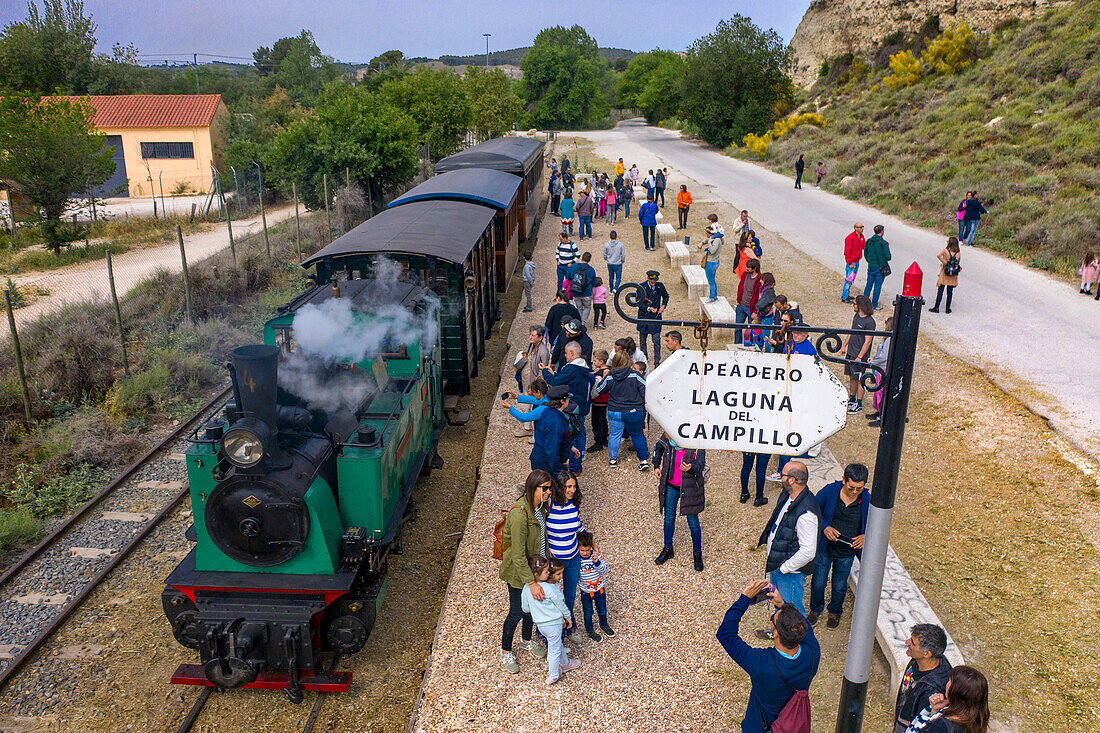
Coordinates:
(562, 526)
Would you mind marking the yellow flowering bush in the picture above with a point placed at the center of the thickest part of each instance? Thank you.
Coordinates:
(905, 70)
(758, 144)
(951, 51)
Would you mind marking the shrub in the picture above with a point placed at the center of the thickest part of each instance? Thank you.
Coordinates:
(905, 70)
(17, 527)
(758, 144)
(41, 495)
(951, 51)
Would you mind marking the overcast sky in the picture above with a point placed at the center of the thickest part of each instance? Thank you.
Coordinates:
(357, 31)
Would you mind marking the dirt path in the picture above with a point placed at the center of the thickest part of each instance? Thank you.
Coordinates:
(89, 279)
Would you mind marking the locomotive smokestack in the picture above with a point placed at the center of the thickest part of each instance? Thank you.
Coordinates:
(255, 379)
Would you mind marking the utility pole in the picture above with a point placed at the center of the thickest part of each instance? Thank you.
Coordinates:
(487, 35)
(195, 62)
(899, 378)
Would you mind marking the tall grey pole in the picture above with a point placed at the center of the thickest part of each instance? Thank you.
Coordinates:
(872, 566)
(195, 58)
(487, 35)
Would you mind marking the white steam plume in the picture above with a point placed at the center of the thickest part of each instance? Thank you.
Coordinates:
(333, 332)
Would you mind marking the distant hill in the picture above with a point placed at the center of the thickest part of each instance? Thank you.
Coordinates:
(514, 56)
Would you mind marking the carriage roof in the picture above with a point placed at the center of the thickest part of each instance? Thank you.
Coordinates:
(444, 229)
(477, 185)
(512, 154)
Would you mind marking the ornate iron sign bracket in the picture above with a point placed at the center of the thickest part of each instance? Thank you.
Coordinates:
(828, 343)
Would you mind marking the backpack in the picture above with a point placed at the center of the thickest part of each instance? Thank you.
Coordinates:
(580, 281)
(497, 536)
(576, 423)
(795, 715)
(951, 268)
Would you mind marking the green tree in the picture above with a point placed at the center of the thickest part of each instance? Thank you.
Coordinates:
(437, 102)
(296, 64)
(353, 129)
(651, 84)
(737, 66)
(494, 106)
(385, 67)
(565, 79)
(51, 152)
(50, 51)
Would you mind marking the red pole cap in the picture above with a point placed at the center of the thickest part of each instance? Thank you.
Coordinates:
(911, 285)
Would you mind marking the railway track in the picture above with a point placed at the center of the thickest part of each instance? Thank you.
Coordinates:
(47, 584)
(196, 709)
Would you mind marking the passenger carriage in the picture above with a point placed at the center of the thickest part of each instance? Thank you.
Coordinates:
(495, 189)
(520, 156)
(445, 246)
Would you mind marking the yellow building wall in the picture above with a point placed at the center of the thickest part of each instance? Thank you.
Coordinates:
(144, 176)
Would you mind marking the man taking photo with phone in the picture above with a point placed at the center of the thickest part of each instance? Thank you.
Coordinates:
(780, 675)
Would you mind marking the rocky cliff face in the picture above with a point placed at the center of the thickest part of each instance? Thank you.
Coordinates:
(832, 28)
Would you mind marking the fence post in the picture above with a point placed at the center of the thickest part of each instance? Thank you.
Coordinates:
(328, 211)
(297, 221)
(186, 275)
(347, 178)
(263, 214)
(163, 208)
(118, 311)
(229, 224)
(18, 358)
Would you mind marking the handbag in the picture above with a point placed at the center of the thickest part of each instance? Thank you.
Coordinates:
(885, 270)
(520, 362)
(850, 277)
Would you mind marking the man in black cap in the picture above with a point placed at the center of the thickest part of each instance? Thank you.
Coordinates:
(560, 310)
(576, 375)
(573, 330)
(652, 305)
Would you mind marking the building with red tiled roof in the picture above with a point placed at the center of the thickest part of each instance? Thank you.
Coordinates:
(161, 141)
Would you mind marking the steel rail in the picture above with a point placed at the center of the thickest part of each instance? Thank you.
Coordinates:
(116, 559)
(107, 490)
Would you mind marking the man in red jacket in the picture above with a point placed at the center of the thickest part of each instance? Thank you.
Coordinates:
(748, 292)
(853, 253)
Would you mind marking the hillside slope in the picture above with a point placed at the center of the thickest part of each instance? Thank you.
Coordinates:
(832, 28)
(1020, 125)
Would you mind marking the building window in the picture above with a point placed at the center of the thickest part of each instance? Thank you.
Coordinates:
(150, 151)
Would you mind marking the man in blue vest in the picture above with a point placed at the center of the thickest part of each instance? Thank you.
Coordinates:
(791, 538)
(844, 506)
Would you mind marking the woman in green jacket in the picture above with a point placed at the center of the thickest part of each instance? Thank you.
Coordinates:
(524, 537)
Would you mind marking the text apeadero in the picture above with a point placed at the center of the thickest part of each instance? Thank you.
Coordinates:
(751, 371)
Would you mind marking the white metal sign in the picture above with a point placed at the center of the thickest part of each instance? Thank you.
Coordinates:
(746, 401)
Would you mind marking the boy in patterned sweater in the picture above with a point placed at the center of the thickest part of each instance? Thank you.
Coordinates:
(593, 571)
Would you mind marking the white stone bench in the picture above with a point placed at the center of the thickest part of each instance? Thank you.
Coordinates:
(677, 253)
(900, 607)
(666, 232)
(720, 310)
(639, 194)
(696, 280)
(659, 217)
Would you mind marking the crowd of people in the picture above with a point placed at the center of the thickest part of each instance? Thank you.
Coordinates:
(572, 387)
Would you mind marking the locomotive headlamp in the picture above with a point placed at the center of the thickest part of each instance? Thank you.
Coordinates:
(243, 448)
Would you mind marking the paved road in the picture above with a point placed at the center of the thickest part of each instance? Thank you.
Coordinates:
(88, 279)
(1031, 334)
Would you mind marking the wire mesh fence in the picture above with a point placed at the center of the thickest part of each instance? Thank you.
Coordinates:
(80, 324)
